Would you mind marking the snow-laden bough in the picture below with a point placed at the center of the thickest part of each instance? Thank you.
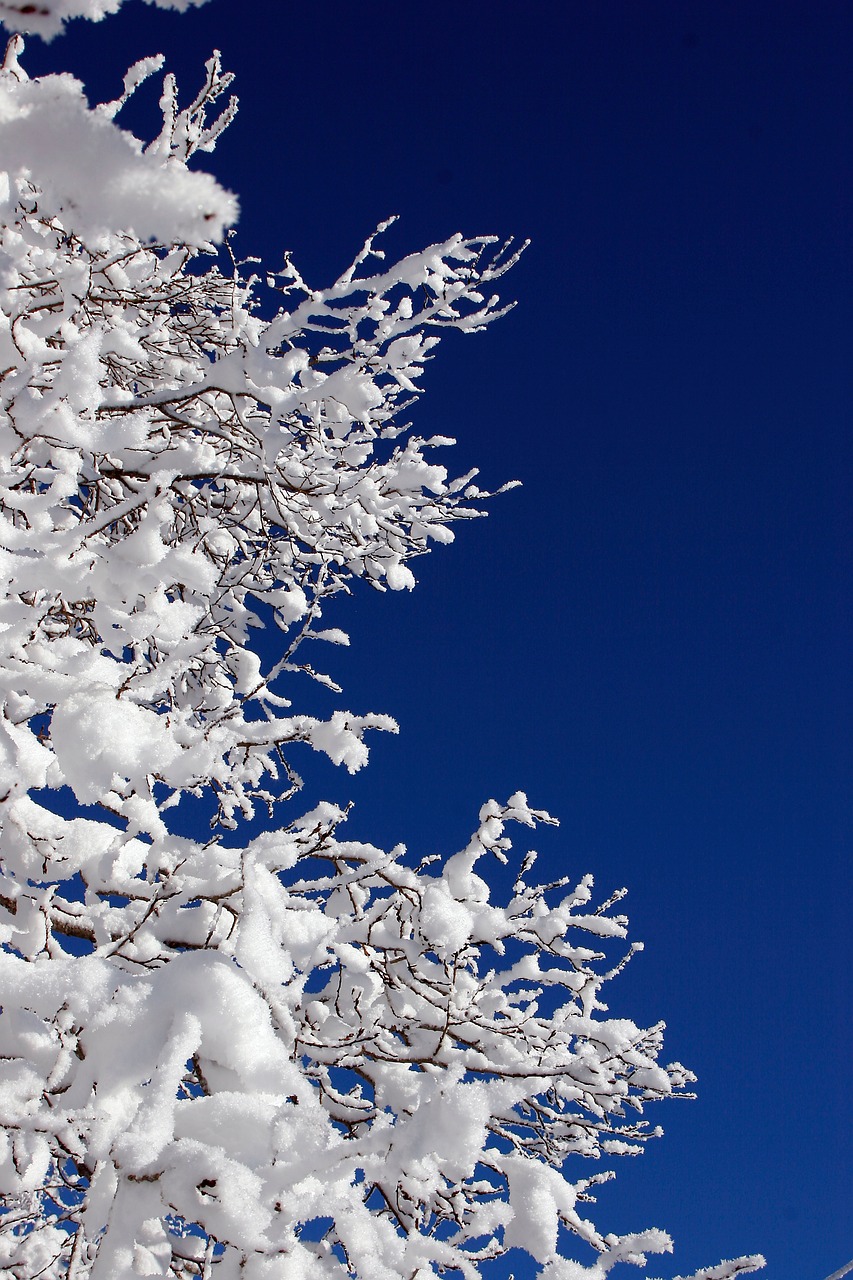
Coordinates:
(297, 1056)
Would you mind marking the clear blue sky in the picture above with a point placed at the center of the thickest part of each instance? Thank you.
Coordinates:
(653, 637)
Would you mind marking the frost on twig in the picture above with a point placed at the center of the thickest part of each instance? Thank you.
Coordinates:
(842, 1271)
(727, 1270)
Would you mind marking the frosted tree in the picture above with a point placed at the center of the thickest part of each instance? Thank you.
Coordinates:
(297, 1055)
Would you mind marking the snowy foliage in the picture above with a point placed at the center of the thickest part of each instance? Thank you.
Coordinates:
(97, 177)
(299, 1056)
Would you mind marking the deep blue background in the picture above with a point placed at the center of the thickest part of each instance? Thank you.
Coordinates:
(653, 637)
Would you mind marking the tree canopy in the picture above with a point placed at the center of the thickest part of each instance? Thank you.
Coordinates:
(295, 1055)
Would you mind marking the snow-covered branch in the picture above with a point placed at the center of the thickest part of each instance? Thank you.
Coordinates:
(97, 178)
(298, 1055)
(195, 472)
(308, 1030)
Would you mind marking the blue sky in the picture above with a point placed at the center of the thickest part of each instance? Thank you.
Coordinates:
(653, 636)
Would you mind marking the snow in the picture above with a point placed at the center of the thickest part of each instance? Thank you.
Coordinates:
(97, 176)
(538, 1197)
(103, 742)
(214, 1042)
(48, 17)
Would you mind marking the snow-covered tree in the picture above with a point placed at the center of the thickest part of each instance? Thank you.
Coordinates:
(296, 1055)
